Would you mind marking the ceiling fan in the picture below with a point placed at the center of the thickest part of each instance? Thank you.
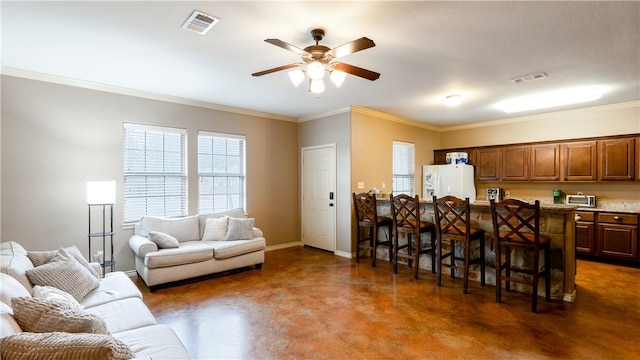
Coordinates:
(320, 58)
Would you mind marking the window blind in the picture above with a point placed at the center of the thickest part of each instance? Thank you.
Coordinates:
(155, 176)
(403, 168)
(221, 172)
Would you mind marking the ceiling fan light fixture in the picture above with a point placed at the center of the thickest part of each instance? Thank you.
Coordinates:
(337, 77)
(296, 76)
(453, 100)
(316, 86)
(315, 70)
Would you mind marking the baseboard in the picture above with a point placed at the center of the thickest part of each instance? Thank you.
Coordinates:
(569, 297)
(283, 246)
(343, 254)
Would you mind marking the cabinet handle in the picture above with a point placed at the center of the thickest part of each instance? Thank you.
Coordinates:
(617, 218)
(578, 217)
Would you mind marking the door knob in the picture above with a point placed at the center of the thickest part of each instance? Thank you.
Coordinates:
(330, 204)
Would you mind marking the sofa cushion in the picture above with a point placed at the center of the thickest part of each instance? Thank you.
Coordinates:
(228, 249)
(65, 273)
(188, 252)
(122, 315)
(240, 229)
(215, 228)
(52, 293)
(60, 346)
(182, 228)
(39, 258)
(14, 262)
(8, 324)
(163, 240)
(234, 213)
(11, 288)
(114, 286)
(156, 342)
(40, 315)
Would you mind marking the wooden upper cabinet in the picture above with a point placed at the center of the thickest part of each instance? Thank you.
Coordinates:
(515, 163)
(440, 156)
(638, 159)
(545, 162)
(488, 164)
(579, 161)
(617, 159)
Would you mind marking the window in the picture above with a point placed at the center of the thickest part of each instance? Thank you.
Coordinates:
(155, 172)
(403, 168)
(221, 172)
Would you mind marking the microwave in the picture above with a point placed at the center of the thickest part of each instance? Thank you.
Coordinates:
(582, 200)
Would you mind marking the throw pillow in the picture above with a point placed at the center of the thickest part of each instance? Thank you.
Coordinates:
(240, 229)
(60, 346)
(39, 258)
(164, 241)
(215, 228)
(65, 273)
(51, 293)
(75, 252)
(40, 315)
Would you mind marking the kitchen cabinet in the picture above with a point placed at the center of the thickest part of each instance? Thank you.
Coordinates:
(618, 236)
(440, 156)
(515, 163)
(638, 159)
(545, 162)
(585, 232)
(579, 161)
(488, 164)
(616, 159)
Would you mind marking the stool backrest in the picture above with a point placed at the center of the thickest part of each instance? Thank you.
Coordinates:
(452, 215)
(366, 208)
(516, 220)
(405, 210)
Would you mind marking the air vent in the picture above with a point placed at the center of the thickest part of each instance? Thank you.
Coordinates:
(200, 22)
(528, 78)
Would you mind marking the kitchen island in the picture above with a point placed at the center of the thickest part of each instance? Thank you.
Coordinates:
(556, 221)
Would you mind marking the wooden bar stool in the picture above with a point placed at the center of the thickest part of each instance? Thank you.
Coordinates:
(453, 225)
(516, 225)
(368, 223)
(405, 212)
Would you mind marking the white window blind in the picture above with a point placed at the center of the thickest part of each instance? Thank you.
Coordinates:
(403, 168)
(221, 172)
(155, 172)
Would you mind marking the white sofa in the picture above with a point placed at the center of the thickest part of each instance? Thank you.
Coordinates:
(194, 254)
(116, 300)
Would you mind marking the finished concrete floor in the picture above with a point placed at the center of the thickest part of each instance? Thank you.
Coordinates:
(310, 304)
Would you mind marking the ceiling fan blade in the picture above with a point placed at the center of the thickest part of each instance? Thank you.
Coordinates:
(357, 71)
(287, 46)
(279, 68)
(351, 47)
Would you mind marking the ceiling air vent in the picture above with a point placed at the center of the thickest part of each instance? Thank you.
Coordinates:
(528, 78)
(200, 22)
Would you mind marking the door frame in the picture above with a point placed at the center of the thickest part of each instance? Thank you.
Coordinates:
(334, 180)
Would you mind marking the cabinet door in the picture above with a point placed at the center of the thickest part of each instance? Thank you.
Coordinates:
(618, 241)
(488, 164)
(545, 162)
(638, 159)
(439, 157)
(617, 159)
(515, 163)
(579, 161)
(585, 237)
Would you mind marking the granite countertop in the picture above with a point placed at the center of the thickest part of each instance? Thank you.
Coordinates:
(615, 206)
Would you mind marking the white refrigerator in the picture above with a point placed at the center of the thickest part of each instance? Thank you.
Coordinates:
(453, 179)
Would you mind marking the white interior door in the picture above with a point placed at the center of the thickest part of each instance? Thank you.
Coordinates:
(319, 197)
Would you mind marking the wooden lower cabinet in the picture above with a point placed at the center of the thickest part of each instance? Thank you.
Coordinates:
(585, 233)
(616, 236)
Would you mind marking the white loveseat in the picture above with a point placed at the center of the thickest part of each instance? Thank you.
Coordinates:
(115, 300)
(199, 245)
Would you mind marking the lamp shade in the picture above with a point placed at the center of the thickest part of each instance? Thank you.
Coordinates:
(101, 192)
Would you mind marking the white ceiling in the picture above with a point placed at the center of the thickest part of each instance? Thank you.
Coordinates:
(424, 51)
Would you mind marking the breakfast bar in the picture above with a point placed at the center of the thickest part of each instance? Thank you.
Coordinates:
(556, 221)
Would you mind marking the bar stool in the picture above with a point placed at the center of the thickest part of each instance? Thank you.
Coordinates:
(368, 221)
(516, 225)
(405, 212)
(453, 225)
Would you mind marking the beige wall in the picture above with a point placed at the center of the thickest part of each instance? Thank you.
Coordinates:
(335, 129)
(615, 119)
(55, 137)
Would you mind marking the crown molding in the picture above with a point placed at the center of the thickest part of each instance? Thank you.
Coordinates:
(394, 118)
(33, 75)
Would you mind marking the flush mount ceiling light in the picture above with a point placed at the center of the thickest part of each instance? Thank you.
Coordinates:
(318, 59)
(453, 100)
(550, 99)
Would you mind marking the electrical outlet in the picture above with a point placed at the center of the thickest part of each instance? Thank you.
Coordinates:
(507, 194)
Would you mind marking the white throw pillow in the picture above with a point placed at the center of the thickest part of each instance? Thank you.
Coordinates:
(240, 229)
(164, 241)
(52, 293)
(215, 228)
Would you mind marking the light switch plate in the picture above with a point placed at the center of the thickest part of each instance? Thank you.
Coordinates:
(360, 185)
